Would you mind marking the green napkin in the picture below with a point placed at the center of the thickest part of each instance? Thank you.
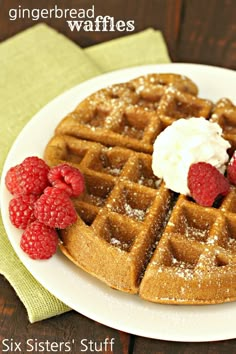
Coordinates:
(35, 66)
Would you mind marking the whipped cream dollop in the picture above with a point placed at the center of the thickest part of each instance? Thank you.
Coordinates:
(183, 143)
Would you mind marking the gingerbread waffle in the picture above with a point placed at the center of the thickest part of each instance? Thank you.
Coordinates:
(224, 113)
(195, 261)
(133, 233)
(115, 233)
(134, 113)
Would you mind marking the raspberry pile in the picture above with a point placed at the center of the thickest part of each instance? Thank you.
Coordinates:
(41, 203)
(206, 183)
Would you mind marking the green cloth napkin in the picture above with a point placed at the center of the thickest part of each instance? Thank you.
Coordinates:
(35, 66)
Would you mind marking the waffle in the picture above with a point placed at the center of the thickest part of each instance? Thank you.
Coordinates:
(195, 261)
(132, 232)
(224, 113)
(114, 235)
(126, 114)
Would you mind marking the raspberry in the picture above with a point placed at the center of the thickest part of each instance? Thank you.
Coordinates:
(206, 183)
(21, 210)
(29, 177)
(39, 241)
(67, 178)
(11, 179)
(231, 169)
(55, 209)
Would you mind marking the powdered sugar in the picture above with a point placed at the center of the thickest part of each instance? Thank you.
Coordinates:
(138, 214)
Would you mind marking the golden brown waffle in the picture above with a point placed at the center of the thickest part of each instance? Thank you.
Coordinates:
(133, 233)
(121, 214)
(134, 113)
(224, 114)
(195, 261)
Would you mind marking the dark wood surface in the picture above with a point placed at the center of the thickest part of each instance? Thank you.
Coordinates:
(196, 31)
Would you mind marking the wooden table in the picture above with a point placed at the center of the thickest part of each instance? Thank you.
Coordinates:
(196, 31)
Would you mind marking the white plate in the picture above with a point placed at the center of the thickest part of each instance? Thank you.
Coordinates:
(78, 289)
